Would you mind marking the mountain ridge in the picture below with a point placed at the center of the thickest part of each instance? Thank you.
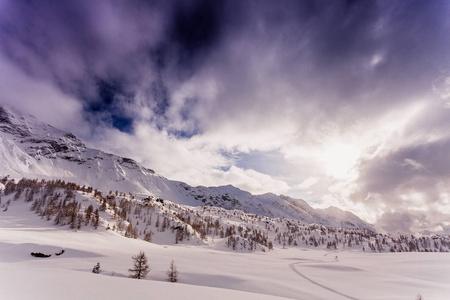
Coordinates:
(31, 148)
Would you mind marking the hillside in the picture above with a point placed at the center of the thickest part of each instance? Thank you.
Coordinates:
(164, 222)
(232, 257)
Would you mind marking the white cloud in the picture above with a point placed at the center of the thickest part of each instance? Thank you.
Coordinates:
(408, 162)
(188, 160)
(250, 180)
(441, 87)
(40, 98)
(307, 183)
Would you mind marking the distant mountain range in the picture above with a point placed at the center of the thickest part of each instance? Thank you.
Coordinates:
(32, 149)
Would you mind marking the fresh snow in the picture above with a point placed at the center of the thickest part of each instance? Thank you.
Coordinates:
(205, 273)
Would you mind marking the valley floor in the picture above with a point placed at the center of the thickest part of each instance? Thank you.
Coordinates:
(204, 273)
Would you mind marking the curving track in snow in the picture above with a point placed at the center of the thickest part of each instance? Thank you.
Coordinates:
(292, 267)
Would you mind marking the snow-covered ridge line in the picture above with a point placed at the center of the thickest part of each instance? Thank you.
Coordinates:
(164, 222)
(30, 148)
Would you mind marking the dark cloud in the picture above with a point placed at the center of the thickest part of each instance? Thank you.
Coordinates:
(99, 51)
(400, 222)
(416, 167)
(412, 183)
(315, 47)
(413, 222)
(420, 164)
(195, 30)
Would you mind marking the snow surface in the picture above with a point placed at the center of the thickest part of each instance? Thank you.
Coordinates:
(205, 273)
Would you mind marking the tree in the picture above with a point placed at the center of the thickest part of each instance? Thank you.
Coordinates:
(96, 219)
(96, 269)
(140, 266)
(172, 273)
(148, 236)
(89, 212)
(130, 230)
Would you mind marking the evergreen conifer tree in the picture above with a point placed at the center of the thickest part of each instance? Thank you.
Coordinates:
(140, 266)
(172, 273)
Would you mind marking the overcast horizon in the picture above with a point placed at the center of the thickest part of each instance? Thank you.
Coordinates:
(339, 103)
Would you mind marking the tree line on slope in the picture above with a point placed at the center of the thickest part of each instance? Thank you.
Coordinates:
(76, 206)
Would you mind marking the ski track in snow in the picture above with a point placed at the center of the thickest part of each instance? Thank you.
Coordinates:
(292, 267)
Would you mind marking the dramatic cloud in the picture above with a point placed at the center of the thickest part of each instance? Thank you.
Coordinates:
(341, 103)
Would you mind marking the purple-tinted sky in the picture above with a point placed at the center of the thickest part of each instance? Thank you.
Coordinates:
(342, 103)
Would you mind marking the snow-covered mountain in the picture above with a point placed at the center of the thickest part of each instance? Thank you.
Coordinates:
(30, 148)
(53, 233)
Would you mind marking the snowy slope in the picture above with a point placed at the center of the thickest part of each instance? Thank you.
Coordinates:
(32, 149)
(66, 204)
(204, 273)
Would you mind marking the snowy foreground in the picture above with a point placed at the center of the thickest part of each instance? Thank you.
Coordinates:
(204, 273)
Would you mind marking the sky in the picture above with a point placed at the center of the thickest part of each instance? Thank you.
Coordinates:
(342, 103)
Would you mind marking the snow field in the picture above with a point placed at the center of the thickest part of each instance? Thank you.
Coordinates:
(205, 273)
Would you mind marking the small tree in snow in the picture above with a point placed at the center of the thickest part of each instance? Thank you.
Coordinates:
(172, 273)
(96, 269)
(148, 236)
(140, 266)
(96, 219)
(88, 211)
(419, 297)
